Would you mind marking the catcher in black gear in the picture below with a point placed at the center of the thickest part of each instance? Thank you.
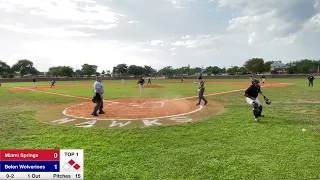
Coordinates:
(251, 95)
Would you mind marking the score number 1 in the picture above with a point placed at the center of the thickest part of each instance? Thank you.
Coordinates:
(55, 155)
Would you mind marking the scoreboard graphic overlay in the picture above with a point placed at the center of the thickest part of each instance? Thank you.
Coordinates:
(41, 164)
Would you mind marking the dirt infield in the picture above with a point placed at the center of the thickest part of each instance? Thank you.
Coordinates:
(135, 112)
(17, 89)
(276, 85)
(22, 89)
(135, 108)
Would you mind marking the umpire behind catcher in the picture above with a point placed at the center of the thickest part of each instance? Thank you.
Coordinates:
(98, 97)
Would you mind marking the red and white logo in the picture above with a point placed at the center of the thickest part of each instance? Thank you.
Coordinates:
(70, 164)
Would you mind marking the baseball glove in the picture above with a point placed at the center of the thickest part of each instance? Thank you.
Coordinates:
(268, 102)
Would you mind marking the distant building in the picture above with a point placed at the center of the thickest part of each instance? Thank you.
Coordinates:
(278, 67)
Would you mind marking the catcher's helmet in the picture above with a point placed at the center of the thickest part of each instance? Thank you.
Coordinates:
(255, 81)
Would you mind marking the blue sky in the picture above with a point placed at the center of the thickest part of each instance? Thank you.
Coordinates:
(158, 32)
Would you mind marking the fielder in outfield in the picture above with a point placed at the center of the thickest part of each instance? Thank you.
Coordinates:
(263, 78)
(149, 81)
(251, 95)
(311, 78)
(34, 83)
(53, 82)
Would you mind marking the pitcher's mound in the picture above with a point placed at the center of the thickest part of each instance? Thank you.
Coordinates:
(149, 86)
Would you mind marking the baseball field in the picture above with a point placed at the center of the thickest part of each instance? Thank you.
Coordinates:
(162, 134)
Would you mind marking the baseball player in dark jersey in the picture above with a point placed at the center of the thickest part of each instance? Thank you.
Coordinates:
(53, 82)
(200, 92)
(141, 84)
(149, 81)
(182, 79)
(263, 78)
(311, 78)
(34, 81)
(251, 95)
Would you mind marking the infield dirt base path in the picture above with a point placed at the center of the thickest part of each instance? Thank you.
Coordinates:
(154, 85)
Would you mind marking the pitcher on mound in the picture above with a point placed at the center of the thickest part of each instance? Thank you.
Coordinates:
(141, 84)
(34, 83)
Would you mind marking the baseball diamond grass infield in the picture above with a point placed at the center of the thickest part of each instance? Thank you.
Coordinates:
(181, 141)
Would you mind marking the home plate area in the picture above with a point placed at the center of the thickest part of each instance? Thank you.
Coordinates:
(135, 109)
(142, 112)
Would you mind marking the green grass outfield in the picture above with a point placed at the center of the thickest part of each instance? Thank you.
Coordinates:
(230, 146)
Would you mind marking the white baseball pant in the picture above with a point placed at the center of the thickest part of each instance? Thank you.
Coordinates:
(141, 87)
(250, 101)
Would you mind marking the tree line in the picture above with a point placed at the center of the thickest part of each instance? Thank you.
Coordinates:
(26, 67)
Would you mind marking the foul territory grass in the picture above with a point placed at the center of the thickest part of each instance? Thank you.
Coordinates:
(230, 146)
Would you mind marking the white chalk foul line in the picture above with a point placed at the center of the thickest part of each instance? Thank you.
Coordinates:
(162, 101)
(214, 94)
(148, 118)
(59, 94)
